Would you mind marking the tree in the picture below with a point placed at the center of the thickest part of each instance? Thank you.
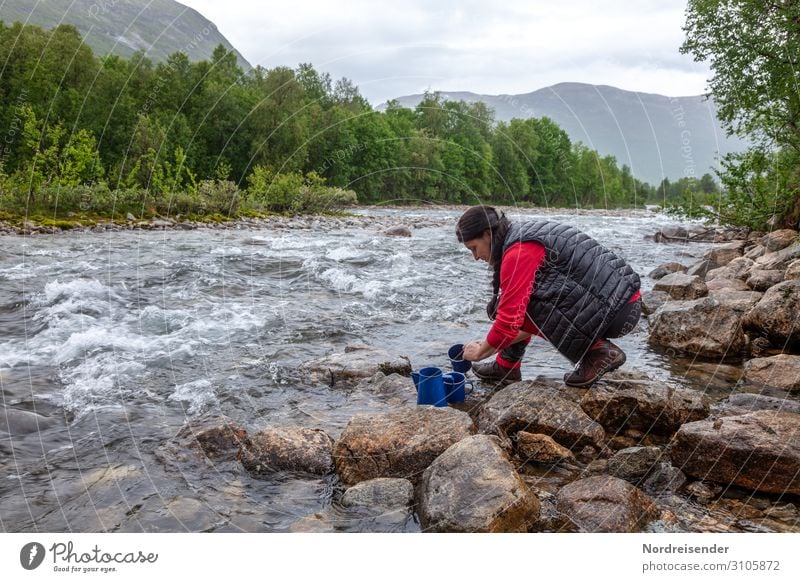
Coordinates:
(753, 49)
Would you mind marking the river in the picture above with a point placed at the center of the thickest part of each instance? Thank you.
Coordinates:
(121, 337)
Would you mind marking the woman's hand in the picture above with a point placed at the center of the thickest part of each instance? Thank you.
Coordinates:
(478, 350)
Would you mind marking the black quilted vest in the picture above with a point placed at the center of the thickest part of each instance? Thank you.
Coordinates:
(579, 288)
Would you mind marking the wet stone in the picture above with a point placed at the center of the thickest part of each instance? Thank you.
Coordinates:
(473, 487)
(635, 463)
(397, 444)
(288, 449)
(606, 504)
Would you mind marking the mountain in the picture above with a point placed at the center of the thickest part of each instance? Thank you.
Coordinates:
(122, 27)
(656, 136)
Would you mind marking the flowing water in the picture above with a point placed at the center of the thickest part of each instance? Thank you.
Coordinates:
(121, 337)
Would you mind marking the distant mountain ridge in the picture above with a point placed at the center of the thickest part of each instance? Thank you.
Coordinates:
(122, 27)
(655, 135)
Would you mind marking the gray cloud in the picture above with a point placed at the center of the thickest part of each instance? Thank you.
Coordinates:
(391, 49)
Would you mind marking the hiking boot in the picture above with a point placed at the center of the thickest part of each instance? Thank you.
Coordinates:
(494, 372)
(602, 359)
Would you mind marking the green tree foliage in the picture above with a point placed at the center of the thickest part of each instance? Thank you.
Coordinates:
(203, 137)
(753, 49)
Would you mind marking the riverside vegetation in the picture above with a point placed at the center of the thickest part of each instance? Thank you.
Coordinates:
(87, 137)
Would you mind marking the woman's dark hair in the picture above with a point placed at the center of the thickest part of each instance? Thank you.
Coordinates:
(472, 224)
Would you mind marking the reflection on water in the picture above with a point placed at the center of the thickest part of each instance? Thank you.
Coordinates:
(121, 337)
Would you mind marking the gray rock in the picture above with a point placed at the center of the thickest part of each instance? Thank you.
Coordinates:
(671, 233)
(649, 406)
(540, 448)
(702, 492)
(357, 362)
(682, 286)
(779, 239)
(288, 449)
(760, 280)
(536, 408)
(706, 327)
(721, 255)
(740, 301)
(744, 402)
(472, 487)
(606, 504)
(779, 259)
(781, 371)
(759, 451)
(381, 492)
(792, 270)
(397, 444)
(756, 252)
(652, 300)
(635, 463)
(726, 284)
(402, 231)
(664, 480)
(700, 269)
(775, 316)
(215, 436)
(666, 269)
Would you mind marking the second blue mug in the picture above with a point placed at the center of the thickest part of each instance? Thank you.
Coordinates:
(455, 387)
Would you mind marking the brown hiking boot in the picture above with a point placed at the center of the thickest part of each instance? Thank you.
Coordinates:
(602, 359)
(494, 372)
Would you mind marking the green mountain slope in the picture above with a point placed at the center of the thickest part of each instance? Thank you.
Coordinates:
(158, 27)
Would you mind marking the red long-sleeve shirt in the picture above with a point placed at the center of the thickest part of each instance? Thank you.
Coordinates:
(517, 276)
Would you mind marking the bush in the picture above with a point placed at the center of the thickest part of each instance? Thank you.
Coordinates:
(294, 193)
(218, 196)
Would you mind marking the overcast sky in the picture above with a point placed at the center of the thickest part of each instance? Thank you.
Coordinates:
(398, 48)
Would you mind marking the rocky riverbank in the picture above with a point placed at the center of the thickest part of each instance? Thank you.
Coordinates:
(394, 226)
(629, 454)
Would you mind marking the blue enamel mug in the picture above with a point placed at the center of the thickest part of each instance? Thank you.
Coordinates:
(430, 387)
(457, 361)
(455, 387)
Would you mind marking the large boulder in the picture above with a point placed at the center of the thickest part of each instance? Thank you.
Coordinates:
(473, 487)
(647, 406)
(665, 269)
(736, 269)
(380, 492)
(721, 255)
(537, 408)
(776, 315)
(706, 327)
(288, 449)
(681, 286)
(759, 451)
(606, 504)
(778, 239)
(779, 259)
(397, 444)
(781, 371)
(760, 280)
(357, 362)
